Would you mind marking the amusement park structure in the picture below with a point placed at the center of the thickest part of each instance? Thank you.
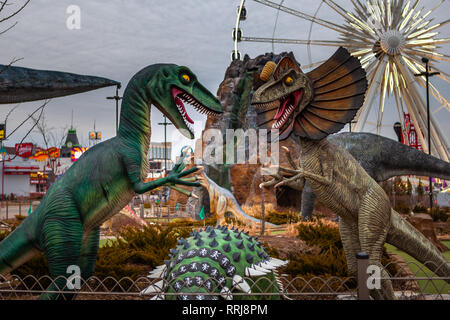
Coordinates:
(390, 38)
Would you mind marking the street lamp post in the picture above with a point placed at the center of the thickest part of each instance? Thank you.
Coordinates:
(427, 75)
(165, 124)
(117, 98)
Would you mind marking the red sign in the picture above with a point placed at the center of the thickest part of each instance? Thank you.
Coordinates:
(24, 150)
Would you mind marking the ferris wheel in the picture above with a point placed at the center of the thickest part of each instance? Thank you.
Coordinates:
(393, 39)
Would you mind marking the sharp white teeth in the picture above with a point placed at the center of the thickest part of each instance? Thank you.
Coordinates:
(156, 288)
(157, 273)
(268, 265)
(240, 284)
(226, 294)
(251, 272)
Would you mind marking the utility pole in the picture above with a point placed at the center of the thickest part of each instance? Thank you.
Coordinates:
(117, 98)
(427, 75)
(165, 124)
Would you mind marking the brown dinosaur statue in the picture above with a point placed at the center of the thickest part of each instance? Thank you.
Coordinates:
(222, 201)
(310, 107)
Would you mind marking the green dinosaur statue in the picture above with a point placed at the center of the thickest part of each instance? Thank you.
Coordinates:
(65, 226)
(216, 260)
(311, 107)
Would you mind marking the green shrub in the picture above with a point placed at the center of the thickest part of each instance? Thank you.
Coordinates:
(402, 208)
(420, 209)
(439, 214)
(325, 236)
(278, 218)
(137, 251)
(329, 260)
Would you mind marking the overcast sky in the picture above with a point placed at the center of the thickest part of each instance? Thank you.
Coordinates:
(119, 37)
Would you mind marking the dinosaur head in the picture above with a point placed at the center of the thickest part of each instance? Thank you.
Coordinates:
(171, 86)
(285, 94)
(313, 105)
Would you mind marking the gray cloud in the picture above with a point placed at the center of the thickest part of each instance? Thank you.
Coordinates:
(117, 38)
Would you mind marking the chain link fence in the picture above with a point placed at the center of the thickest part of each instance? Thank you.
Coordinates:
(412, 281)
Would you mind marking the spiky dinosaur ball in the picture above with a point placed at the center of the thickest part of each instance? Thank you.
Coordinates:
(212, 263)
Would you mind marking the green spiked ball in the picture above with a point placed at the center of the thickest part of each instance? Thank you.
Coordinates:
(217, 263)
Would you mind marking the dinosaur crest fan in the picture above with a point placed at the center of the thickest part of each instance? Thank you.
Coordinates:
(315, 104)
(339, 86)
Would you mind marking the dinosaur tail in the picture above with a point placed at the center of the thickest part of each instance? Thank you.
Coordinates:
(20, 245)
(407, 238)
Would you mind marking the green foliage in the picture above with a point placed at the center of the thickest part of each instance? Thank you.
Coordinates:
(439, 214)
(137, 251)
(420, 209)
(329, 258)
(278, 218)
(402, 208)
(325, 236)
(420, 190)
(409, 188)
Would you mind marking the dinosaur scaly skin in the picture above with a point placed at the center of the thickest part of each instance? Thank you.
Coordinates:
(216, 260)
(331, 97)
(222, 201)
(65, 226)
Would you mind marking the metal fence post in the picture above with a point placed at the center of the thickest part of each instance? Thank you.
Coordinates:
(362, 259)
(6, 208)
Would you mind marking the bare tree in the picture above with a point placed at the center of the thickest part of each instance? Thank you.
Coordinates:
(51, 136)
(36, 120)
(3, 6)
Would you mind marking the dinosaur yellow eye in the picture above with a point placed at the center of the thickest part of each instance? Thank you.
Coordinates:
(186, 78)
(289, 81)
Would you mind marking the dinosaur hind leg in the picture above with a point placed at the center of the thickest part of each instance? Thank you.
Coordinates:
(350, 241)
(88, 255)
(373, 226)
(61, 242)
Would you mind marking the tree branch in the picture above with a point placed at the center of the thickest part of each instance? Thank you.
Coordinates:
(14, 13)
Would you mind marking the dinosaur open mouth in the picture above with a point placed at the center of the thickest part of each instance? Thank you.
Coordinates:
(181, 96)
(287, 106)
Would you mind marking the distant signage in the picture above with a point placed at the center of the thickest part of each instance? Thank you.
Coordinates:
(43, 155)
(24, 150)
(95, 135)
(36, 178)
(2, 131)
(76, 153)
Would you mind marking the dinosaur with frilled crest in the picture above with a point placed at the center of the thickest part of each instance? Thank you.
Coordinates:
(309, 107)
(66, 225)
